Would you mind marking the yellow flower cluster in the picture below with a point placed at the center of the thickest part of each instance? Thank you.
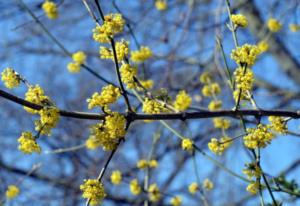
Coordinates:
(193, 188)
(49, 117)
(205, 78)
(244, 79)
(116, 177)
(263, 46)
(274, 25)
(10, 78)
(176, 201)
(122, 50)
(78, 59)
(93, 190)
(154, 193)
(245, 55)
(212, 89)
(35, 94)
(147, 84)
(135, 188)
(208, 185)
(219, 146)
(258, 137)
(294, 27)
(107, 134)
(278, 125)
(182, 101)
(215, 105)
(161, 5)
(187, 144)
(239, 20)
(221, 123)
(253, 187)
(28, 144)
(141, 55)
(153, 107)
(142, 164)
(50, 9)
(113, 24)
(127, 75)
(12, 191)
(108, 95)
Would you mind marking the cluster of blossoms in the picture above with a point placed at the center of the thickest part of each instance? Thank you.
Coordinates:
(135, 188)
(278, 125)
(161, 5)
(208, 185)
(154, 193)
(12, 191)
(143, 164)
(258, 137)
(78, 59)
(176, 201)
(36, 95)
(28, 144)
(122, 50)
(128, 73)
(10, 78)
(219, 146)
(187, 144)
(49, 117)
(274, 25)
(108, 133)
(211, 89)
(108, 95)
(221, 123)
(151, 106)
(93, 190)
(245, 55)
(239, 20)
(182, 101)
(141, 55)
(50, 9)
(116, 177)
(253, 173)
(263, 46)
(113, 24)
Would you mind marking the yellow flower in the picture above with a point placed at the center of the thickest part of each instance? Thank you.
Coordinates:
(115, 125)
(294, 27)
(221, 123)
(147, 84)
(258, 137)
(152, 107)
(182, 101)
(263, 46)
(12, 191)
(122, 51)
(219, 146)
(142, 164)
(252, 170)
(239, 20)
(93, 190)
(73, 67)
(135, 188)
(205, 78)
(79, 57)
(127, 75)
(208, 185)
(116, 177)
(10, 78)
(113, 24)
(28, 144)
(193, 188)
(35, 94)
(49, 116)
(109, 95)
(211, 89)
(253, 187)
(154, 193)
(161, 5)
(153, 163)
(141, 55)
(244, 79)
(187, 144)
(50, 9)
(176, 201)
(278, 125)
(215, 105)
(245, 55)
(274, 25)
